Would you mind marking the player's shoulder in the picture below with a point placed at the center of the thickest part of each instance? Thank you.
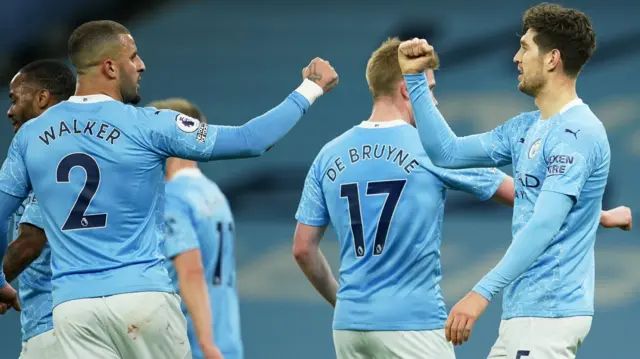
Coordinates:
(185, 123)
(524, 119)
(581, 124)
(334, 146)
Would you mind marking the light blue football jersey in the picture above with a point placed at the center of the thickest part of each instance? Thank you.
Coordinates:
(198, 217)
(35, 281)
(385, 199)
(568, 153)
(96, 167)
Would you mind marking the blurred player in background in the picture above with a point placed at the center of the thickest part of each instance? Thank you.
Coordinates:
(199, 241)
(385, 199)
(34, 89)
(96, 166)
(560, 156)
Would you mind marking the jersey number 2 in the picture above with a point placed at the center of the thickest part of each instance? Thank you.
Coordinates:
(393, 190)
(77, 218)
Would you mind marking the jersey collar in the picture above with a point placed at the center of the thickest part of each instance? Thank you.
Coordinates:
(90, 98)
(570, 105)
(386, 124)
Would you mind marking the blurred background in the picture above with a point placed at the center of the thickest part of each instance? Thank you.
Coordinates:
(237, 59)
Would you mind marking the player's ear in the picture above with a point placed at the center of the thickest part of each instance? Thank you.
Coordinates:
(552, 59)
(42, 98)
(110, 68)
(404, 92)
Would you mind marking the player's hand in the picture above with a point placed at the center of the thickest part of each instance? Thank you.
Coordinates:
(321, 72)
(416, 56)
(9, 297)
(619, 217)
(211, 352)
(463, 316)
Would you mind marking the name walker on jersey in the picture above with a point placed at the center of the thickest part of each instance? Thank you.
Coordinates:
(102, 131)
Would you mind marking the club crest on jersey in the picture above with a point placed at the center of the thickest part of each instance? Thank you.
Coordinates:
(187, 124)
(534, 148)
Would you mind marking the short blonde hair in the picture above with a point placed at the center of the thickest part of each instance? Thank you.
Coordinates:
(383, 68)
(180, 105)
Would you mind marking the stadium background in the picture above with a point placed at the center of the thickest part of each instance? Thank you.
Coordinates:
(237, 59)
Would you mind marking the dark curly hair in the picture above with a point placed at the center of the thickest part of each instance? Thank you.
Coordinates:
(567, 30)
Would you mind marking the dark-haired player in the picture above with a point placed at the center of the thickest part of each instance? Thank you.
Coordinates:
(35, 88)
(95, 164)
(560, 156)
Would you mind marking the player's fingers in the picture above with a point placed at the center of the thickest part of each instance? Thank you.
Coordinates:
(447, 327)
(467, 329)
(16, 305)
(460, 329)
(453, 331)
(3, 308)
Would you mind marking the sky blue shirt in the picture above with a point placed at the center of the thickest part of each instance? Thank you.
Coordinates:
(566, 154)
(198, 216)
(385, 199)
(35, 281)
(96, 167)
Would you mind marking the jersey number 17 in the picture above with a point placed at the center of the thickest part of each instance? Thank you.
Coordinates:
(350, 191)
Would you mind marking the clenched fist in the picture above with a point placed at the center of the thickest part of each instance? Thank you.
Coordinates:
(416, 56)
(321, 72)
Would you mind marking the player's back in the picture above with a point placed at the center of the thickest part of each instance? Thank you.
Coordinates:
(99, 182)
(386, 204)
(210, 215)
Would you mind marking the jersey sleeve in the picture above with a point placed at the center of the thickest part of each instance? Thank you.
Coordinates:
(569, 160)
(176, 135)
(171, 134)
(480, 182)
(180, 232)
(33, 214)
(312, 209)
(444, 148)
(14, 178)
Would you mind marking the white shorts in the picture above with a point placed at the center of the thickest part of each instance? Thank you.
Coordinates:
(425, 344)
(43, 345)
(540, 338)
(146, 325)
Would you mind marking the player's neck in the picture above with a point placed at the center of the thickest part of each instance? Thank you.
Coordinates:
(385, 109)
(554, 96)
(175, 165)
(90, 86)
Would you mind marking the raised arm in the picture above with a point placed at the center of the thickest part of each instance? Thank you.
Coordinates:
(444, 148)
(173, 134)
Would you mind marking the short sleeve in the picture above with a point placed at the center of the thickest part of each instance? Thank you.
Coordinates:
(14, 178)
(312, 209)
(569, 160)
(33, 214)
(180, 231)
(173, 134)
(481, 182)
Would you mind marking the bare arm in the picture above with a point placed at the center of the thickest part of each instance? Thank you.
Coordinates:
(313, 263)
(24, 250)
(193, 290)
(505, 192)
